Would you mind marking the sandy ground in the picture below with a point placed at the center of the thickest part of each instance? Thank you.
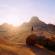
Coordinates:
(37, 50)
(21, 49)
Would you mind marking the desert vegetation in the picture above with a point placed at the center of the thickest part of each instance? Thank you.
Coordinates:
(41, 40)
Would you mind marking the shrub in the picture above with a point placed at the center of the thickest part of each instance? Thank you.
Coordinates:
(41, 40)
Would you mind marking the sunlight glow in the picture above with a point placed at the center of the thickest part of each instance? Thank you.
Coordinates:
(12, 21)
(16, 21)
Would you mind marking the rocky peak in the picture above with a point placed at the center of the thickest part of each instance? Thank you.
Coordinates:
(35, 20)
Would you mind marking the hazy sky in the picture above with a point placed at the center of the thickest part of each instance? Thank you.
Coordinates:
(19, 11)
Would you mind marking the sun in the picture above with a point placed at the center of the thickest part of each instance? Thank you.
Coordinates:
(16, 21)
(13, 21)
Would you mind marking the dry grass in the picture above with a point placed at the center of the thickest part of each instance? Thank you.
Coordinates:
(14, 50)
(7, 50)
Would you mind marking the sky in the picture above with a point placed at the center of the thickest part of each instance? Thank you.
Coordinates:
(18, 11)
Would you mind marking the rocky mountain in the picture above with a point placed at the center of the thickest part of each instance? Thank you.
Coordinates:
(37, 24)
(40, 25)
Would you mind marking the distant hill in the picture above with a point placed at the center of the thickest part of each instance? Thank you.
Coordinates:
(7, 32)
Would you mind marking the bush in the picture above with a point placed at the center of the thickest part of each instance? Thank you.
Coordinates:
(41, 40)
(31, 40)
